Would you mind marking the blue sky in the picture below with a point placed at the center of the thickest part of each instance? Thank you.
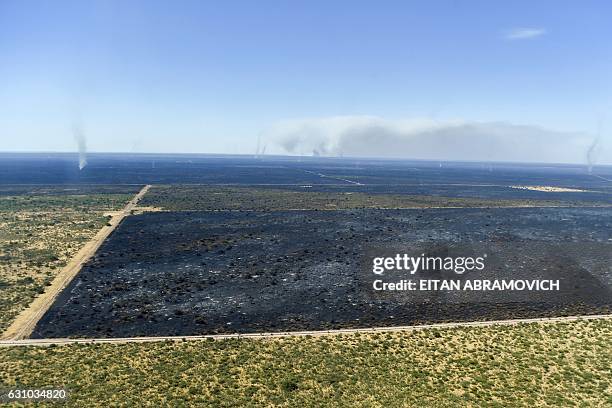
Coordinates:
(195, 76)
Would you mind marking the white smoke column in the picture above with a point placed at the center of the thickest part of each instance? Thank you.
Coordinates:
(79, 136)
(594, 149)
(592, 154)
(258, 145)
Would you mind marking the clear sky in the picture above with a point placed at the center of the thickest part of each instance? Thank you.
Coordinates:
(197, 76)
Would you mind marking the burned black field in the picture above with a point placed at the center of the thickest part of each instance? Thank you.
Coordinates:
(225, 244)
(182, 273)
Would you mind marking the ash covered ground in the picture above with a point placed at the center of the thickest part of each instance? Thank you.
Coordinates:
(249, 244)
(182, 273)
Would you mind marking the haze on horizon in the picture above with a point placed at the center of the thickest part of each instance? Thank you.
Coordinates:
(446, 80)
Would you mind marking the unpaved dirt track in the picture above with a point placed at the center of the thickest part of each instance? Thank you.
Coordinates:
(261, 336)
(25, 322)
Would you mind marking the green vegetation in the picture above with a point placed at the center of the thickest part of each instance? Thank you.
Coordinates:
(540, 364)
(39, 233)
(212, 198)
(66, 189)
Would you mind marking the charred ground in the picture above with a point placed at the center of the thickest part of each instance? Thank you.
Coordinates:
(245, 244)
(179, 273)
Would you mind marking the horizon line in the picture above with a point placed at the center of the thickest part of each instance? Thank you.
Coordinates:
(288, 155)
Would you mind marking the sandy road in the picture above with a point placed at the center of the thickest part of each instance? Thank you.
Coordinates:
(333, 178)
(25, 322)
(313, 333)
(603, 178)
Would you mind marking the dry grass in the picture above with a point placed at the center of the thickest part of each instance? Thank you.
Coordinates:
(540, 364)
(38, 235)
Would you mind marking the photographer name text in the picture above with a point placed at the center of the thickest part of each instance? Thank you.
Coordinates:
(467, 285)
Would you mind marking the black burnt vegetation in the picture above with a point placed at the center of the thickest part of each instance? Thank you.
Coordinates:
(179, 273)
(244, 198)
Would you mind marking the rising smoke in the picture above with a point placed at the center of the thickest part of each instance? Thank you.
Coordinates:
(368, 136)
(81, 140)
(594, 150)
(593, 153)
(259, 150)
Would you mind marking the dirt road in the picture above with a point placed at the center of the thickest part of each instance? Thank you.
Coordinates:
(48, 342)
(25, 322)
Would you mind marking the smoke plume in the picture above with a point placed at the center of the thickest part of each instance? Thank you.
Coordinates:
(369, 136)
(79, 137)
(593, 153)
(594, 150)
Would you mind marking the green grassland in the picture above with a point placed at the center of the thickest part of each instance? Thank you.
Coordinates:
(211, 198)
(39, 233)
(67, 189)
(537, 364)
